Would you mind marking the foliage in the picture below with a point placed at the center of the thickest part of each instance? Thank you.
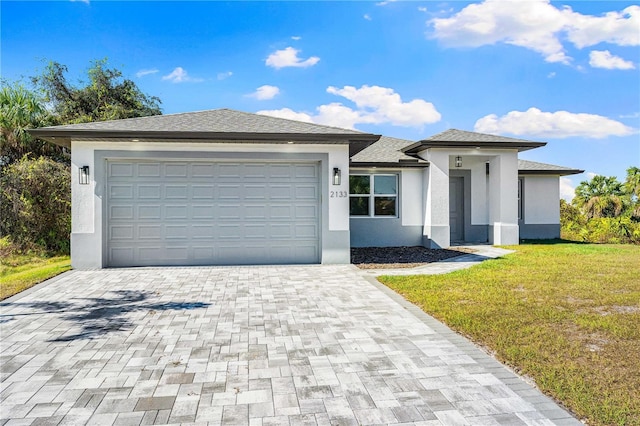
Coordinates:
(600, 197)
(604, 210)
(21, 109)
(106, 96)
(35, 204)
(562, 314)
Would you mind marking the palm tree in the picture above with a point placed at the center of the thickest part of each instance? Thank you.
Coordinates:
(631, 188)
(600, 197)
(21, 110)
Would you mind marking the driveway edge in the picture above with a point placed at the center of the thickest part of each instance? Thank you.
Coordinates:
(528, 392)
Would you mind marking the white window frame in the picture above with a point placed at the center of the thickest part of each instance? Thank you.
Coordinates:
(372, 196)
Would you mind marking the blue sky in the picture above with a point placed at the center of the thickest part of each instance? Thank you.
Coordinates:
(566, 73)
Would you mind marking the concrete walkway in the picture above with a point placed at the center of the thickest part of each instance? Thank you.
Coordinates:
(480, 253)
(302, 345)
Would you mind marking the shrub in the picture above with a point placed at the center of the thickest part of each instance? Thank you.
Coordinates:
(35, 204)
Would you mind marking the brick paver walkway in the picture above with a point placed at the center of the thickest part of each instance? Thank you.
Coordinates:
(300, 345)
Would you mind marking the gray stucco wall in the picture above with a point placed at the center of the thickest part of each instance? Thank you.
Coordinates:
(539, 231)
(384, 232)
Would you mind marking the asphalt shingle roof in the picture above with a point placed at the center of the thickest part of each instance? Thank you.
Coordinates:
(385, 150)
(455, 135)
(215, 121)
(543, 168)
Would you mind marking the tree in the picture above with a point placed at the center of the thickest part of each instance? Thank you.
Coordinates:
(106, 96)
(35, 204)
(600, 197)
(631, 188)
(21, 109)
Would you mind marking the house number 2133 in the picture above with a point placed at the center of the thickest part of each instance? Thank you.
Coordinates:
(339, 194)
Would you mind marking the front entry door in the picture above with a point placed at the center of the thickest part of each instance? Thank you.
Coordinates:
(456, 208)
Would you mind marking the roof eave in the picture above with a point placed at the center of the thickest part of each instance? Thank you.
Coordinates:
(356, 141)
(566, 172)
(390, 165)
(423, 145)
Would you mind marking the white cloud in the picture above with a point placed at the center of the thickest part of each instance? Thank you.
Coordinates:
(80, 1)
(287, 113)
(604, 59)
(179, 75)
(385, 105)
(590, 175)
(367, 17)
(265, 92)
(224, 75)
(551, 74)
(384, 3)
(422, 9)
(289, 58)
(632, 115)
(296, 38)
(619, 28)
(567, 190)
(559, 124)
(536, 25)
(142, 73)
(374, 105)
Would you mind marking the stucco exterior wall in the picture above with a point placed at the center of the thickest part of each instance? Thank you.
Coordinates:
(87, 239)
(403, 230)
(541, 200)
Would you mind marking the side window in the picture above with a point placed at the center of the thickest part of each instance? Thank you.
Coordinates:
(520, 195)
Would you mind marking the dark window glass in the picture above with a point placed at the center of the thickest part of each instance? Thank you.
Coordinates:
(359, 206)
(385, 206)
(359, 185)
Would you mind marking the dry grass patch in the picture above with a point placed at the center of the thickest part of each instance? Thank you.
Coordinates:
(567, 315)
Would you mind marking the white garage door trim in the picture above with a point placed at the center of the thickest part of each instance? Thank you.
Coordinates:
(161, 212)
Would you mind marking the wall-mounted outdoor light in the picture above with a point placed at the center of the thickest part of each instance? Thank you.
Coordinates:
(336, 176)
(458, 161)
(84, 175)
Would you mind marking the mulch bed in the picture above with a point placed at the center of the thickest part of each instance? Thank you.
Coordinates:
(401, 257)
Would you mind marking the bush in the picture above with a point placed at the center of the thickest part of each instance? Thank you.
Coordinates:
(35, 204)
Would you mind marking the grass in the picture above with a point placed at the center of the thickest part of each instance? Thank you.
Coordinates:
(19, 272)
(566, 315)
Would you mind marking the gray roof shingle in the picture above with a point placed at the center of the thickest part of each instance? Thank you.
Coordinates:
(533, 167)
(454, 138)
(455, 135)
(215, 121)
(385, 150)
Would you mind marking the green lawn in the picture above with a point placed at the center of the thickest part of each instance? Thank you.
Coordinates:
(567, 315)
(18, 273)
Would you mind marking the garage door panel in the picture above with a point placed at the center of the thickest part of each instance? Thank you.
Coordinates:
(150, 232)
(121, 192)
(121, 170)
(203, 212)
(149, 212)
(199, 213)
(176, 192)
(148, 170)
(149, 191)
(121, 232)
(176, 212)
(176, 170)
(203, 170)
(206, 192)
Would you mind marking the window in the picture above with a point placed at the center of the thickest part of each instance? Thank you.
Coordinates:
(373, 195)
(520, 188)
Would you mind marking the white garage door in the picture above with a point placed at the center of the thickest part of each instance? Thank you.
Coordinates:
(208, 213)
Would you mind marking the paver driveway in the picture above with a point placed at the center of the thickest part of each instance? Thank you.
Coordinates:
(245, 345)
